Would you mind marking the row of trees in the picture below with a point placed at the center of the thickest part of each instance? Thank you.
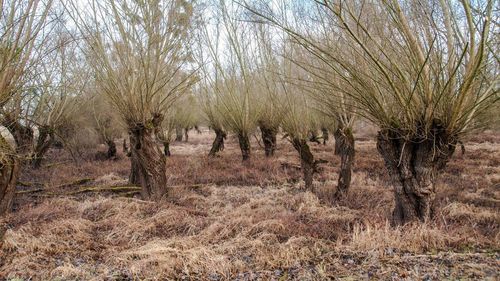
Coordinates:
(425, 72)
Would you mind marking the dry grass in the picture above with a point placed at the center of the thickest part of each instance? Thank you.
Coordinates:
(254, 222)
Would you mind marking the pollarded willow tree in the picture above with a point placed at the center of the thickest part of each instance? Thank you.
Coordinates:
(60, 79)
(21, 25)
(105, 122)
(139, 53)
(298, 119)
(333, 106)
(227, 65)
(422, 71)
(208, 101)
(47, 98)
(321, 85)
(269, 89)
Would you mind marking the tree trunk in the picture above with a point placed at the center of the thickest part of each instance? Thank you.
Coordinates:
(269, 139)
(147, 163)
(218, 144)
(306, 161)
(43, 143)
(9, 171)
(413, 165)
(133, 178)
(344, 146)
(166, 148)
(313, 137)
(244, 141)
(124, 146)
(111, 149)
(325, 135)
(186, 134)
(178, 134)
(23, 135)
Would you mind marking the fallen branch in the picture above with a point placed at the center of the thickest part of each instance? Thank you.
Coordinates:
(28, 184)
(107, 188)
(73, 183)
(30, 191)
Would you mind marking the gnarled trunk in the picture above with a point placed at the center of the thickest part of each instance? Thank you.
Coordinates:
(148, 163)
(269, 139)
(307, 163)
(244, 141)
(413, 165)
(344, 146)
(218, 144)
(111, 149)
(43, 143)
(9, 171)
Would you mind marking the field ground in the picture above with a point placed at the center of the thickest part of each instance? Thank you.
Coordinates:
(225, 220)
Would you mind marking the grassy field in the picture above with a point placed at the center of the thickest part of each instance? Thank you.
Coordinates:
(225, 220)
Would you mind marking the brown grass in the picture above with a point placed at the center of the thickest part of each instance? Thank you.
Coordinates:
(225, 220)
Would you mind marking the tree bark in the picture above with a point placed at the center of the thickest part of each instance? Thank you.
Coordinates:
(244, 141)
(307, 163)
(166, 148)
(344, 146)
(44, 142)
(186, 134)
(325, 135)
(23, 135)
(111, 149)
(218, 144)
(133, 178)
(147, 163)
(413, 164)
(313, 137)
(269, 139)
(178, 134)
(124, 146)
(9, 171)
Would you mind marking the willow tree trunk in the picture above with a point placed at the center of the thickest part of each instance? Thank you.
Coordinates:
(413, 166)
(111, 153)
(344, 146)
(244, 141)
(23, 135)
(269, 139)
(313, 137)
(325, 136)
(124, 146)
(218, 144)
(166, 148)
(9, 171)
(307, 163)
(147, 163)
(186, 134)
(44, 142)
(178, 134)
